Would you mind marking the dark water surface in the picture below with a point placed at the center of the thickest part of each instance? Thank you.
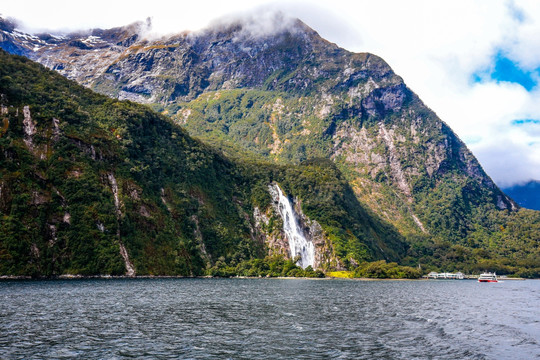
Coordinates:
(269, 319)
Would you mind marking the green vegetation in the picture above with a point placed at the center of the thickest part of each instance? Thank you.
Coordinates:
(254, 122)
(507, 243)
(58, 212)
(270, 266)
(455, 201)
(383, 270)
(356, 233)
(182, 208)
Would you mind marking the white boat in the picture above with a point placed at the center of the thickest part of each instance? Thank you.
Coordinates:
(445, 275)
(488, 277)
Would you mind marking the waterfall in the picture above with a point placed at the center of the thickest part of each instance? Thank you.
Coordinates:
(298, 243)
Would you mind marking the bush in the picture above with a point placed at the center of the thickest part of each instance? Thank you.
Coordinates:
(383, 270)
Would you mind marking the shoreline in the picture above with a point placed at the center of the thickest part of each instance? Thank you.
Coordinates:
(140, 277)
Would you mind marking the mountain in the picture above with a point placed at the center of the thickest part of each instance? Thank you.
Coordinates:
(91, 185)
(526, 195)
(288, 95)
(274, 92)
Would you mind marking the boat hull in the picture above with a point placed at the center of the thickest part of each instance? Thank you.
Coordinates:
(487, 277)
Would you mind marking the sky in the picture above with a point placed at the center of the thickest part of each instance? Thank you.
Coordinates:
(476, 63)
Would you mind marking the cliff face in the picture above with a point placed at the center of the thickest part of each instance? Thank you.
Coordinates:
(123, 62)
(305, 238)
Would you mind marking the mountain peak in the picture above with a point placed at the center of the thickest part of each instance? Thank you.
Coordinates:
(234, 52)
(256, 25)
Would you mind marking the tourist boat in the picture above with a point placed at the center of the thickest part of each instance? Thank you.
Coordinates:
(488, 277)
(446, 276)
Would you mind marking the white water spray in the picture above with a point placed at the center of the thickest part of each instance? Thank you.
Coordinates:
(298, 243)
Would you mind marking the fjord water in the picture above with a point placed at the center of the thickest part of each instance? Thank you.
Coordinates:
(268, 319)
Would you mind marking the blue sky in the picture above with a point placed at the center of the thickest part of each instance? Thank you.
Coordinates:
(522, 122)
(504, 69)
(476, 63)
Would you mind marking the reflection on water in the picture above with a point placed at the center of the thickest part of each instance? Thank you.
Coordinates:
(269, 319)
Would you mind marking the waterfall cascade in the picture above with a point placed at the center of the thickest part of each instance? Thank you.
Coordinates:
(298, 243)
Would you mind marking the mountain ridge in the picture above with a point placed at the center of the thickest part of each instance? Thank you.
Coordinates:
(293, 59)
(526, 195)
(293, 97)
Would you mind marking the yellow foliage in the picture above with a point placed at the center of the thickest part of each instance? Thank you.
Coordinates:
(341, 274)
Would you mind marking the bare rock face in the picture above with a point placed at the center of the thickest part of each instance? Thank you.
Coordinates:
(127, 64)
(324, 253)
(271, 235)
(384, 99)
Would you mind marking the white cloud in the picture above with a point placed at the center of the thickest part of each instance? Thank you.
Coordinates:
(435, 46)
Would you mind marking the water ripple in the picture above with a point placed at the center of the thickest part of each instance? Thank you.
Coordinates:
(268, 319)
